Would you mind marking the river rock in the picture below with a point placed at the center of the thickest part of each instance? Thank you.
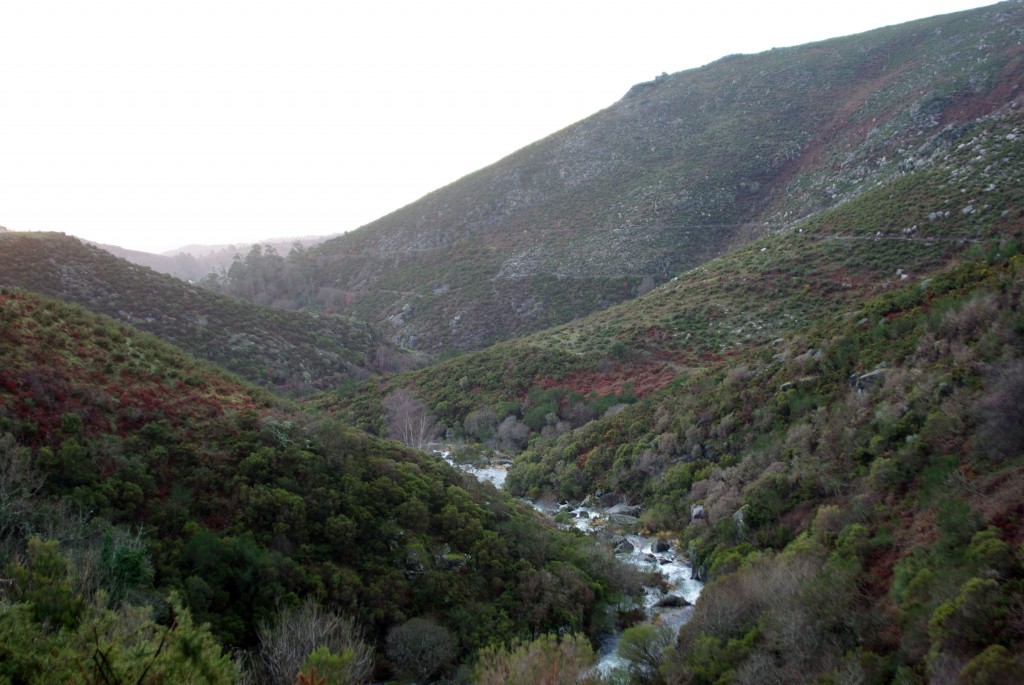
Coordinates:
(623, 519)
(661, 546)
(625, 547)
(672, 601)
(608, 499)
(627, 509)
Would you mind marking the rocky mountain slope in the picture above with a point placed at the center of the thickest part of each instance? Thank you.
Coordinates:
(289, 351)
(829, 421)
(680, 170)
(965, 197)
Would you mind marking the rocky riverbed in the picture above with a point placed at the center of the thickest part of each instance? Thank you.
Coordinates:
(669, 602)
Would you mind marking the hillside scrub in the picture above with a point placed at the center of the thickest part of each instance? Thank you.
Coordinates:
(774, 287)
(866, 522)
(245, 506)
(778, 300)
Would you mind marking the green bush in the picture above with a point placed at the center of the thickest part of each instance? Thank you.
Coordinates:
(997, 665)
(547, 659)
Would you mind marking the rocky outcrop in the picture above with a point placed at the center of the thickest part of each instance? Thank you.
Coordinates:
(868, 381)
(672, 601)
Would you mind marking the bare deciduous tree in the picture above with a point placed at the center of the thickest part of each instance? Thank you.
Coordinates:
(481, 424)
(409, 420)
(285, 644)
(513, 434)
(1000, 414)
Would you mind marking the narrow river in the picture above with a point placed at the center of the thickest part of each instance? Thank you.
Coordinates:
(670, 603)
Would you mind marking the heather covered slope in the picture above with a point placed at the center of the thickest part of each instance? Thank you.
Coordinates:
(679, 171)
(159, 474)
(289, 351)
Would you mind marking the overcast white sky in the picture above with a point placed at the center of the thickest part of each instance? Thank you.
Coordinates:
(152, 125)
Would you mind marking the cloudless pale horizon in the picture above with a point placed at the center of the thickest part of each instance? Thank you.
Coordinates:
(156, 125)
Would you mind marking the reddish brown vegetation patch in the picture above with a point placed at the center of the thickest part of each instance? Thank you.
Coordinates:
(65, 364)
(644, 378)
(880, 566)
(971, 105)
(998, 499)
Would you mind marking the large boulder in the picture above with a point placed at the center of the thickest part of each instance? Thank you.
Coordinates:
(623, 519)
(627, 509)
(868, 381)
(672, 601)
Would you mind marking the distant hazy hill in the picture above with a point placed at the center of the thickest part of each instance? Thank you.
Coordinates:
(184, 266)
(680, 170)
(285, 350)
(193, 262)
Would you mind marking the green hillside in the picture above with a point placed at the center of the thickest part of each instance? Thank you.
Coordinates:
(680, 170)
(773, 287)
(853, 493)
(776, 302)
(167, 483)
(289, 351)
(829, 420)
